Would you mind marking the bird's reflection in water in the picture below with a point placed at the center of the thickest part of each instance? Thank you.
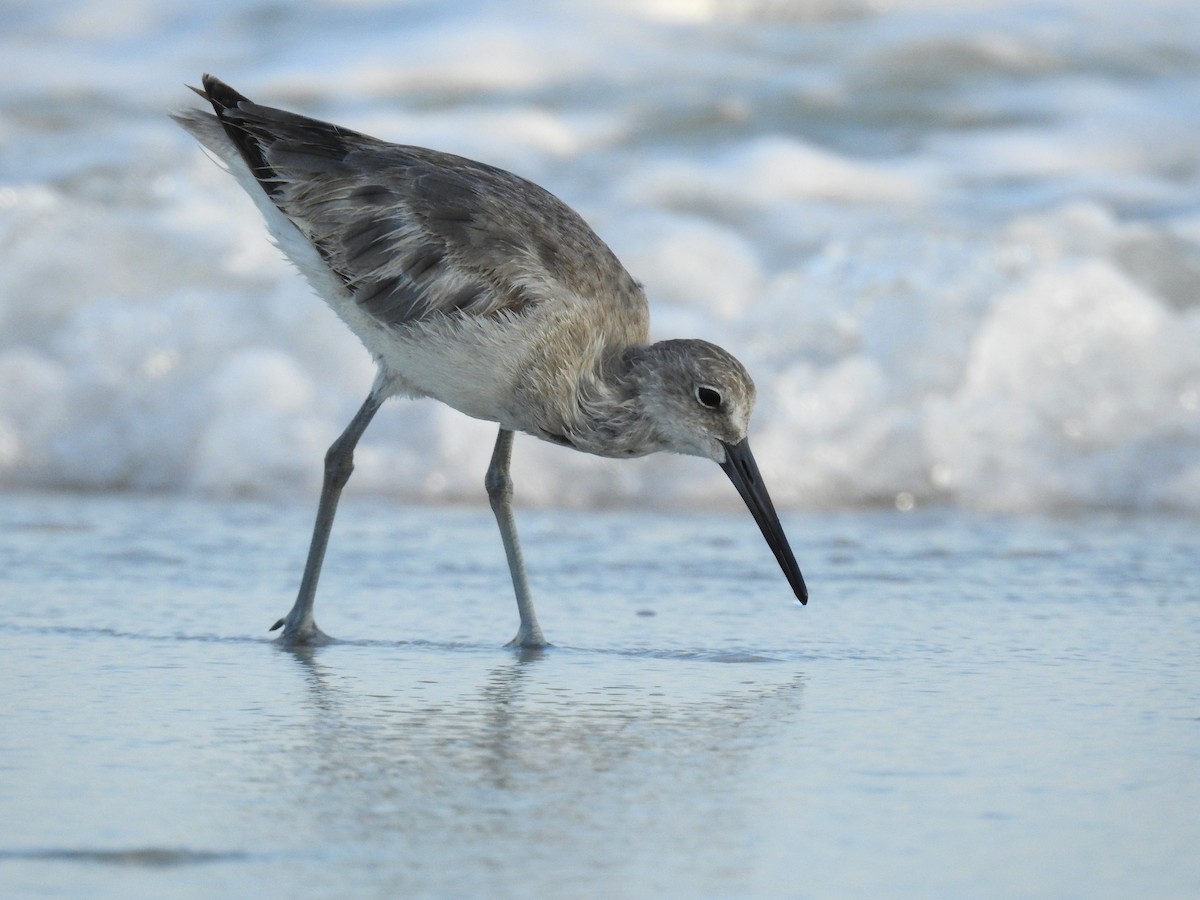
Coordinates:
(542, 748)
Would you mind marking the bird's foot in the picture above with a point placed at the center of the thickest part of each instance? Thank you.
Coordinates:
(304, 633)
(528, 639)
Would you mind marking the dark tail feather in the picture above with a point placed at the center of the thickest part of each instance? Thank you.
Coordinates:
(225, 100)
(219, 94)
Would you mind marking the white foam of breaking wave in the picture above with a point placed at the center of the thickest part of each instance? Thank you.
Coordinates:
(764, 171)
(958, 245)
(1081, 389)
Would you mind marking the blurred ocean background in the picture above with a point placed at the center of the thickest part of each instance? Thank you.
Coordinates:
(956, 243)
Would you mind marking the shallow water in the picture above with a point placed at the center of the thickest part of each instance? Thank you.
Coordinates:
(970, 705)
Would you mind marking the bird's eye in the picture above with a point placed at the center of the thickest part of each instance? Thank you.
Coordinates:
(708, 397)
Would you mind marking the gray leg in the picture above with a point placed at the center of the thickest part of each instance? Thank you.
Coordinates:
(298, 625)
(499, 488)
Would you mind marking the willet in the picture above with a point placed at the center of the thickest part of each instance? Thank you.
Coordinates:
(475, 287)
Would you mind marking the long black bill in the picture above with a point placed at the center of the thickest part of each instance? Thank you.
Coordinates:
(743, 471)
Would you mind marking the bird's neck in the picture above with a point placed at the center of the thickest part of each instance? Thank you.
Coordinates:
(609, 418)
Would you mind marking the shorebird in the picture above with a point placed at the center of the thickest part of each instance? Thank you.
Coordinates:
(475, 287)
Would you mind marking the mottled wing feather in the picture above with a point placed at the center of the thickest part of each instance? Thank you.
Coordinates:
(415, 232)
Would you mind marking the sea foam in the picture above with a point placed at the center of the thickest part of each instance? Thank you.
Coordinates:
(958, 246)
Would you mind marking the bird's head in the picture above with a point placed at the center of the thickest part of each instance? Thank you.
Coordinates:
(698, 398)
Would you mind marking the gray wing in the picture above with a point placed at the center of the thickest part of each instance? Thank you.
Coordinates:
(414, 232)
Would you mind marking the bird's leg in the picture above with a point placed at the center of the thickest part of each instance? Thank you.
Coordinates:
(500, 489)
(298, 625)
